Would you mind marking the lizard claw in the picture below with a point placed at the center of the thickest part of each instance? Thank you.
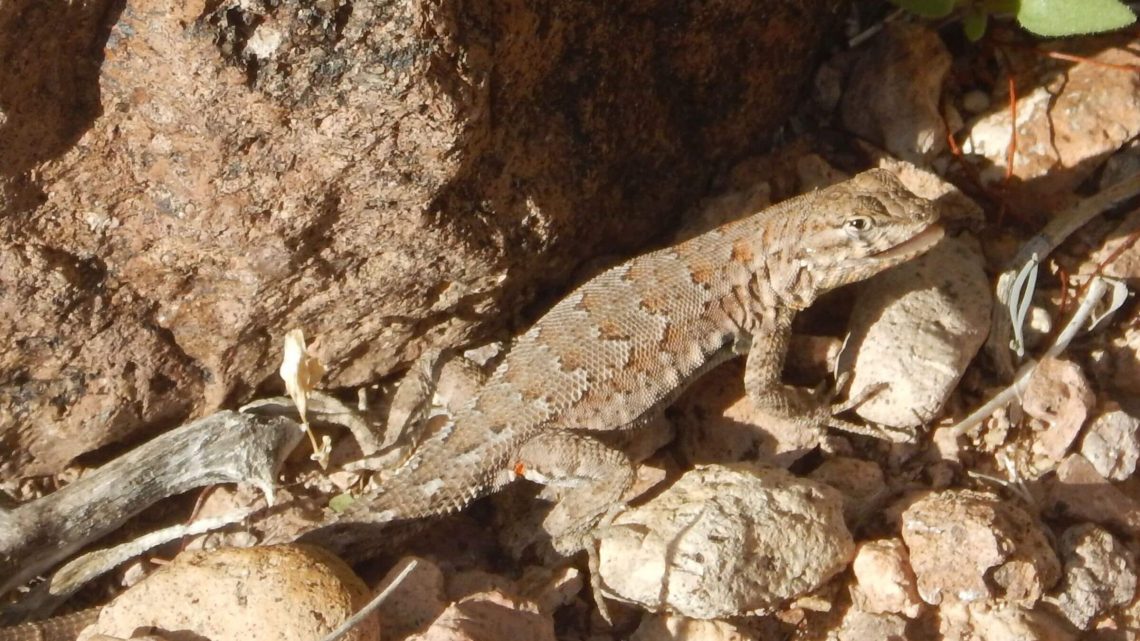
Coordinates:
(860, 398)
(880, 432)
(593, 566)
(592, 543)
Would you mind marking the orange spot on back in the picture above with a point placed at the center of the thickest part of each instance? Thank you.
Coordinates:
(703, 274)
(742, 251)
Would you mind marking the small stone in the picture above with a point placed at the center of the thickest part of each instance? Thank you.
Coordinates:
(969, 546)
(1060, 398)
(885, 582)
(264, 42)
(1080, 492)
(551, 588)
(858, 625)
(212, 595)
(1099, 574)
(1112, 443)
(915, 328)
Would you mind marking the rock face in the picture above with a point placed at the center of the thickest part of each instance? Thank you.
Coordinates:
(179, 189)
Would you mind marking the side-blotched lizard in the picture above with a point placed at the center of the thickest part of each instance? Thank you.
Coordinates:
(628, 341)
(625, 343)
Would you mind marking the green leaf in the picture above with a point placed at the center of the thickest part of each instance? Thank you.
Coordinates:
(927, 8)
(1070, 17)
(974, 24)
(340, 502)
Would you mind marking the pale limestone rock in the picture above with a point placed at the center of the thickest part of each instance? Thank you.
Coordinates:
(885, 582)
(1112, 443)
(726, 541)
(916, 328)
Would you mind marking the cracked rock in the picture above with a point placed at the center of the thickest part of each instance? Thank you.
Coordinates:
(969, 546)
(1100, 574)
(726, 541)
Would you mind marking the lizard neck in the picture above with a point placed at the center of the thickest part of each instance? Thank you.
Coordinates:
(768, 266)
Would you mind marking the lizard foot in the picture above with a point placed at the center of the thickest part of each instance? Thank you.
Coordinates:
(593, 565)
(593, 546)
(873, 430)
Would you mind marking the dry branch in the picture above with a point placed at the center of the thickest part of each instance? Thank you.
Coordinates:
(221, 448)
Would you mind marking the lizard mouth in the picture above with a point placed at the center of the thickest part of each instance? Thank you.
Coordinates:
(913, 246)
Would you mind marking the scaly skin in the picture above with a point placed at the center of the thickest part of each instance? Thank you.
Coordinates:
(61, 628)
(624, 344)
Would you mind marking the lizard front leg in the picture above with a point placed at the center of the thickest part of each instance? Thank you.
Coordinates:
(763, 370)
(762, 373)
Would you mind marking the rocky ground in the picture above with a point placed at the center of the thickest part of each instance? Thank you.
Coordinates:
(395, 178)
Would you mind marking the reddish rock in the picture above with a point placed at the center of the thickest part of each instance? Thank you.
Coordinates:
(180, 189)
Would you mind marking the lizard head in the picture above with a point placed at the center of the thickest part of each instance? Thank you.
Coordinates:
(857, 229)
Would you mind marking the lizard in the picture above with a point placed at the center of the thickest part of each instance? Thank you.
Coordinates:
(624, 344)
(65, 627)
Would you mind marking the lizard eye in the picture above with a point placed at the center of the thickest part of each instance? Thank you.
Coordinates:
(857, 224)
